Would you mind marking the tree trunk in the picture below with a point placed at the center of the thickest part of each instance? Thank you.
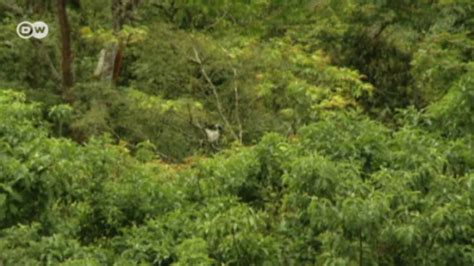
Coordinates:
(117, 15)
(66, 64)
(105, 67)
(118, 61)
(111, 57)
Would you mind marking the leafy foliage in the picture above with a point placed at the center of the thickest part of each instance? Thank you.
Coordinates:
(347, 134)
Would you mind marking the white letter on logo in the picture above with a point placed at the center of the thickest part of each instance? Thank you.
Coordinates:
(40, 30)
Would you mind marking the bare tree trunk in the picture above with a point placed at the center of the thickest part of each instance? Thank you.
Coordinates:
(66, 64)
(118, 61)
(122, 10)
(111, 57)
(118, 16)
(105, 66)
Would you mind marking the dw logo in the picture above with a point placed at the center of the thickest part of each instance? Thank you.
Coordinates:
(37, 30)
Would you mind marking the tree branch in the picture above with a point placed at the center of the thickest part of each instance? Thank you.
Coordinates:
(237, 112)
(381, 29)
(198, 60)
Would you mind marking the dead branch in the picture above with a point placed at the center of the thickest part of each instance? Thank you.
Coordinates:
(197, 59)
(237, 112)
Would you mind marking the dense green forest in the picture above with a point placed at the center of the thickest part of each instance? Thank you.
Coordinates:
(266, 132)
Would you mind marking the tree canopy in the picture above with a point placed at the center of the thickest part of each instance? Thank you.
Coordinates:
(343, 133)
